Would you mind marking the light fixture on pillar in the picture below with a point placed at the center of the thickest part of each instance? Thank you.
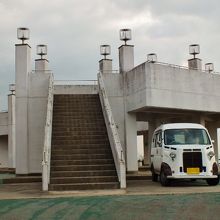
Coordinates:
(12, 88)
(42, 50)
(125, 35)
(105, 50)
(209, 67)
(194, 49)
(23, 34)
(152, 58)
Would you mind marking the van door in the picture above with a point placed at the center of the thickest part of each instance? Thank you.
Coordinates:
(158, 151)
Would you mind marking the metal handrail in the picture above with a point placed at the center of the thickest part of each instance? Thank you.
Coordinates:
(114, 139)
(47, 137)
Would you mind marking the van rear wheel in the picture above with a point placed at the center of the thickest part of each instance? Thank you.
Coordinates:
(163, 178)
(213, 182)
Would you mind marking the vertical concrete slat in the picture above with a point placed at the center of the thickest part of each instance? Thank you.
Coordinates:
(11, 131)
(22, 70)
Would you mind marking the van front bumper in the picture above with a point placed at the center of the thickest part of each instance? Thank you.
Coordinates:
(192, 177)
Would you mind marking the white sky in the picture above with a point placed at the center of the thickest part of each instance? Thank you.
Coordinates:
(74, 30)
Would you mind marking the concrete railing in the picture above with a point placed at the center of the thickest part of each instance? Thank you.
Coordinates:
(47, 138)
(115, 143)
(75, 82)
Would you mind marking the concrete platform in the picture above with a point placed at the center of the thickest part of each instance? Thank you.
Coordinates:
(144, 187)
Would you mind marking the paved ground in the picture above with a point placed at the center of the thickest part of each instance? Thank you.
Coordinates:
(127, 207)
(143, 200)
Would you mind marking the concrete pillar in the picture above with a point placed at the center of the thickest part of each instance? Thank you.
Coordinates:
(11, 131)
(126, 58)
(105, 66)
(41, 65)
(22, 70)
(146, 147)
(151, 129)
(195, 64)
(131, 141)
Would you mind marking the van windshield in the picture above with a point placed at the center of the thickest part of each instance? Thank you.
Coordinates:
(186, 136)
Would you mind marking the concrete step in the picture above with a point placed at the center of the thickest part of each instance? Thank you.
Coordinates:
(76, 142)
(90, 179)
(78, 133)
(22, 179)
(80, 156)
(7, 170)
(82, 162)
(73, 114)
(80, 137)
(144, 168)
(88, 126)
(84, 186)
(83, 167)
(80, 151)
(78, 129)
(83, 173)
(146, 175)
(80, 146)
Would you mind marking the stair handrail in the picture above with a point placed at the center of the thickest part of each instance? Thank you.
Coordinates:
(113, 135)
(47, 137)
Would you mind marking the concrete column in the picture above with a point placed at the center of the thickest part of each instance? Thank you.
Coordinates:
(105, 66)
(146, 147)
(151, 128)
(195, 64)
(41, 64)
(37, 110)
(11, 131)
(126, 58)
(131, 141)
(22, 70)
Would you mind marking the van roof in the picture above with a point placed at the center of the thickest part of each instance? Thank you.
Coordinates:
(179, 125)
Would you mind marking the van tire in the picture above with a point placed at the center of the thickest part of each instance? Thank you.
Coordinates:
(154, 175)
(163, 178)
(213, 182)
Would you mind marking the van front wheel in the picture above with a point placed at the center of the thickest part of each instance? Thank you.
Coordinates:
(163, 179)
(213, 182)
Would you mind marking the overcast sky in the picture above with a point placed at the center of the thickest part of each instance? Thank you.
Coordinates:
(74, 30)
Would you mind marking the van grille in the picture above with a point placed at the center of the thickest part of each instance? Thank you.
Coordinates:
(192, 160)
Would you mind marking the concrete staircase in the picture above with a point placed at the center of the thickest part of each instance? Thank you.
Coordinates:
(81, 156)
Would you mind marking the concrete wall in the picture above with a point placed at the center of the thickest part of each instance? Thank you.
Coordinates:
(75, 89)
(4, 151)
(156, 85)
(142, 126)
(3, 123)
(114, 89)
(37, 109)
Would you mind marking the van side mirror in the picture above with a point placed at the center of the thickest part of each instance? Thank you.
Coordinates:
(159, 143)
(213, 141)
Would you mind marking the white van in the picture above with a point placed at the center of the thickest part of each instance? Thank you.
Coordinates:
(183, 151)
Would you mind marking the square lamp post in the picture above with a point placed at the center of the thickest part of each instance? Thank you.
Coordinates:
(23, 34)
(194, 49)
(125, 35)
(152, 58)
(209, 67)
(105, 50)
(42, 50)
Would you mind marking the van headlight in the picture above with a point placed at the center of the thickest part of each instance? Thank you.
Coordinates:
(210, 155)
(173, 155)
